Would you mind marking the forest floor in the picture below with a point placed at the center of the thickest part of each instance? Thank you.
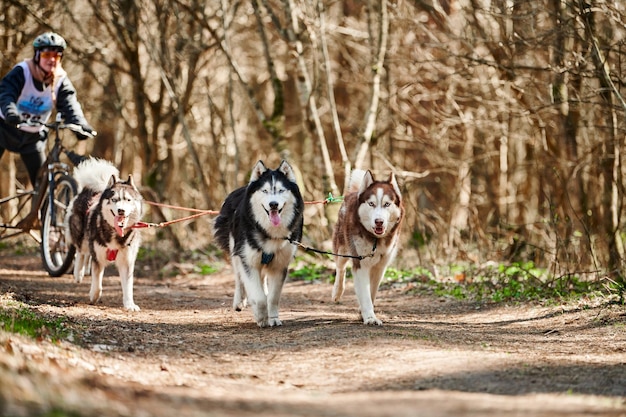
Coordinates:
(187, 353)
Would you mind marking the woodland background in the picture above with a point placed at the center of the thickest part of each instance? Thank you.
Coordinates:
(503, 119)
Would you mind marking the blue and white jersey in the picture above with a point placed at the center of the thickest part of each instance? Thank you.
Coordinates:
(35, 105)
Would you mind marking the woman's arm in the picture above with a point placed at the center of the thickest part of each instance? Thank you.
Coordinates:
(10, 88)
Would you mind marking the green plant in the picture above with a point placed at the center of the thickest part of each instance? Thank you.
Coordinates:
(206, 269)
(498, 283)
(22, 320)
(454, 291)
(310, 272)
(146, 253)
(418, 273)
(19, 247)
(418, 239)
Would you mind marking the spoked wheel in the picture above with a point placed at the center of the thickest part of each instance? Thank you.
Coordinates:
(14, 211)
(56, 252)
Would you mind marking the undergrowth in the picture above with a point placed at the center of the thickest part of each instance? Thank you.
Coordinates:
(493, 283)
(19, 246)
(19, 318)
(499, 283)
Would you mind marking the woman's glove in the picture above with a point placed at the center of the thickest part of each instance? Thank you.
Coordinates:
(12, 117)
(87, 128)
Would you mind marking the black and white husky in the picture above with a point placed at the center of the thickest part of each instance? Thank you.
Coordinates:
(100, 224)
(253, 227)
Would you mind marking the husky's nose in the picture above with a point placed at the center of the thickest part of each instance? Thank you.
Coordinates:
(379, 222)
(273, 205)
(121, 212)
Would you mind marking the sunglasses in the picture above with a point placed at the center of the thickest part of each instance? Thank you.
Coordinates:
(52, 54)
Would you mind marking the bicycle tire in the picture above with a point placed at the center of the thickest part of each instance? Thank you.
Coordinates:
(57, 253)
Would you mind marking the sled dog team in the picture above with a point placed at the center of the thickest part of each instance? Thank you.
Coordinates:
(258, 226)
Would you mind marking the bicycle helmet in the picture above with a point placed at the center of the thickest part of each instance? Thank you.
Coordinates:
(49, 40)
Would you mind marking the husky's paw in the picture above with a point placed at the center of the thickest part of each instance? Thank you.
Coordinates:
(337, 295)
(274, 322)
(372, 320)
(78, 278)
(262, 323)
(259, 310)
(131, 307)
(238, 306)
(94, 297)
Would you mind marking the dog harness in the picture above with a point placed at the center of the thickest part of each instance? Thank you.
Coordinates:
(266, 258)
(111, 254)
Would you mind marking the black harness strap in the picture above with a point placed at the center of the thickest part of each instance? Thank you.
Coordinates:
(310, 249)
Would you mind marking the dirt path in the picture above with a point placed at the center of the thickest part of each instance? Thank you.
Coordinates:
(186, 353)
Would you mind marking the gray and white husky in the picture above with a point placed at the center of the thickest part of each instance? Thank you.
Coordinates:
(368, 226)
(254, 226)
(100, 224)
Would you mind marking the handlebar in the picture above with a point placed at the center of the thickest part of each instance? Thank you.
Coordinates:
(61, 125)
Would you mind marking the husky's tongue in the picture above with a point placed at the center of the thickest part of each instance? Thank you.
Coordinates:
(274, 217)
(119, 223)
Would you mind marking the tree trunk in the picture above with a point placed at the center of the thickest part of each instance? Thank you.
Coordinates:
(611, 167)
(377, 72)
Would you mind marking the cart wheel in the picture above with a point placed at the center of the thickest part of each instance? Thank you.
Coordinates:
(56, 252)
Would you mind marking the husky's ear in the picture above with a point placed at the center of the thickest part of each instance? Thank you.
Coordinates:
(257, 171)
(286, 169)
(131, 182)
(111, 182)
(368, 179)
(394, 183)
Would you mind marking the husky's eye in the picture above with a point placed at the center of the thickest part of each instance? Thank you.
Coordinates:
(387, 204)
(281, 191)
(265, 191)
(371, 204)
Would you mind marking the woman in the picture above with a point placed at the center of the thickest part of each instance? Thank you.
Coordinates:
(30, 92)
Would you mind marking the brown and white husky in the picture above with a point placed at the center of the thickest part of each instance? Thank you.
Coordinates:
(367, 230)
